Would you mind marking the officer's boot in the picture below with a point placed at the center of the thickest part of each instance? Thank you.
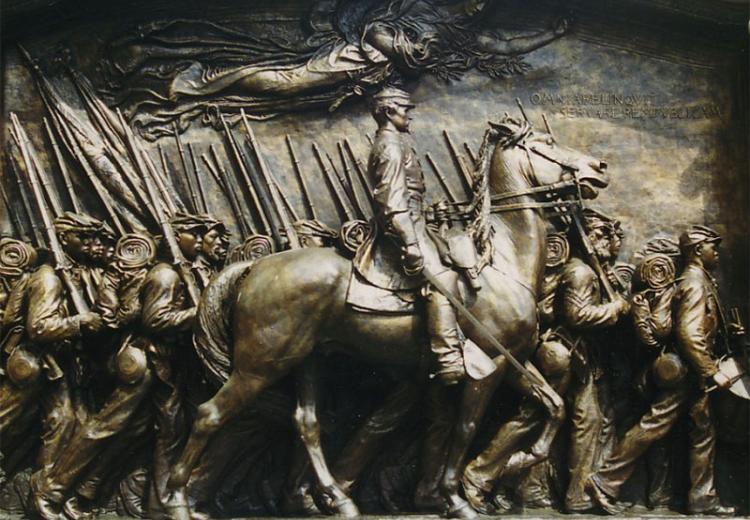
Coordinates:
(445, 340)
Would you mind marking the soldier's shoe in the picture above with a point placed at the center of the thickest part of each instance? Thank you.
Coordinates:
(75, 510)
(600, 498)
(46, 508)
(712, 509)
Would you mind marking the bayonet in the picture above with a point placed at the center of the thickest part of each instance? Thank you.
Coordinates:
(470, 154)
(17, 229)
(213, 170)
(167, 182)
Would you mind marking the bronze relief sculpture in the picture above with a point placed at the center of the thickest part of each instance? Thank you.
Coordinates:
(227, 291)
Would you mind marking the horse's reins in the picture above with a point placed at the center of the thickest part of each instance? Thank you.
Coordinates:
(462, 210)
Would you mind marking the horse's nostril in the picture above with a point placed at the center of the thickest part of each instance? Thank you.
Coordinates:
(602, 165)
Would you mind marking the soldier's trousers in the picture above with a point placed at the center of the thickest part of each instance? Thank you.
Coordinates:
(442, 325)
(589, 430)
(655, 425)
(91, 439)
(19, 407)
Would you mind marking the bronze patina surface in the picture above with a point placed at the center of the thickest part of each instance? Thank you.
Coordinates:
(359, 257)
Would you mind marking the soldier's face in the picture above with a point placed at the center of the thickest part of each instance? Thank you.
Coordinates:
(400, 117)
(84, 247)
(215, 246)
(191, 243)
(708, 252)
(602, 243)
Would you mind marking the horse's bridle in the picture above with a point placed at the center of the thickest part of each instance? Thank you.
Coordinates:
(461, 210)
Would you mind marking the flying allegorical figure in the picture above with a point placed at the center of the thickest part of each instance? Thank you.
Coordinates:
(355, 47)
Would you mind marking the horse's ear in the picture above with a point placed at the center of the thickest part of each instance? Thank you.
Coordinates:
(503, 128)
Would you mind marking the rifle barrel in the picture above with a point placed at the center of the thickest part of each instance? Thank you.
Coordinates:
(61, 261)
(301, 179)
(198, 180)
(63, 167)
(360, 169)
(240, 160)
(232, 188)
(291, 234)
(36, 232)
(192, 190)
(458, 161)
(350, 180)
(441, 178)
(331, 184)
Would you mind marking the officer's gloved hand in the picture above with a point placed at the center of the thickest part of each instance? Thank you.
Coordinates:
(412, 259)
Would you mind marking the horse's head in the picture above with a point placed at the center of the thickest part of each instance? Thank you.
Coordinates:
(538, 158)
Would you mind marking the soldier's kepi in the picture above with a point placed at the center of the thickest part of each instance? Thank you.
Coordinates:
(398, 193)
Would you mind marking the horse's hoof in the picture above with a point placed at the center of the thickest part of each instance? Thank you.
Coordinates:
(177, 505)
(346, 507)
(462, 510)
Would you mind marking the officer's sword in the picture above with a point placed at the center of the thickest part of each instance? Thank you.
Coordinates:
(533, 378)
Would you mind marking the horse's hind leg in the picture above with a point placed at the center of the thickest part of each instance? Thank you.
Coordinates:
(306, 419)
(236, 394)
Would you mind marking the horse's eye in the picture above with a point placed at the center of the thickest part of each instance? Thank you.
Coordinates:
(550, 140)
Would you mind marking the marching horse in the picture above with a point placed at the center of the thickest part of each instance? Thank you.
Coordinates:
(259, 321)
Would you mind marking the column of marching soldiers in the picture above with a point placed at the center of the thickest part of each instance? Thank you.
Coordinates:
(96, 325)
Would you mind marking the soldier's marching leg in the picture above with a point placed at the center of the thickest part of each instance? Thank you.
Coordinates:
(586, 421)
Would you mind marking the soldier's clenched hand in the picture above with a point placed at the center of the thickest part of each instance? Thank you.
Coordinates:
(91, 322)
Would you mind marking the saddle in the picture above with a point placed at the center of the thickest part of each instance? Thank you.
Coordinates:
(378, 283)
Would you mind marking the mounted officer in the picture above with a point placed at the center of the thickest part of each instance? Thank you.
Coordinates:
(401, 239)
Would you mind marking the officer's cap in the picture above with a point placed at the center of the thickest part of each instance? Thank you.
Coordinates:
(393, 95)
(695, 235)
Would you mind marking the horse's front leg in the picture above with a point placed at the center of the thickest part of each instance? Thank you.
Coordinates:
(476, 397)
(306, 419)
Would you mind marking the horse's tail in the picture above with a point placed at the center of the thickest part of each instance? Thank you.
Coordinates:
(213, 322)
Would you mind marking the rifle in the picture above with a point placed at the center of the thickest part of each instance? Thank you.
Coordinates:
(168, 233)
(62, 264)
(459, 163)
(38, 237)
(104, 196)
(164, 180)
(213, 170)
(181, 151)
(592, 258)
(360, 173)
(350, 180)
(198, 181)
(349, 215)
(301, 179)
(291, 234)
(469, 153)
(240, 160)
(441, 178)
(247, 221)
(16, 227)
(63, 168)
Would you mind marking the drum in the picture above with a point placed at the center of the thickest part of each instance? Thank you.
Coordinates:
(731, 407)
